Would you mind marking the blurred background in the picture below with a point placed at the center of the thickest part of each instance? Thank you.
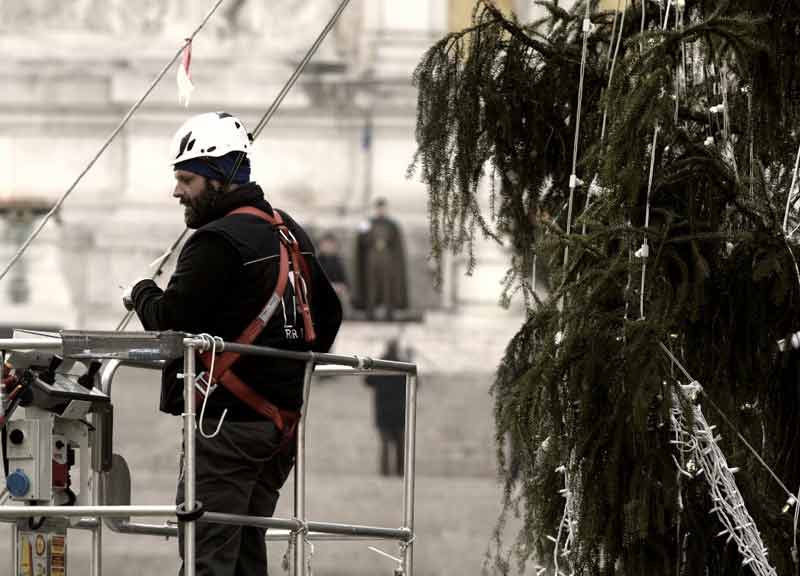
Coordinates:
(336, 157)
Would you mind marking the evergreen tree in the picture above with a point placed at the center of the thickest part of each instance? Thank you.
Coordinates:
(678, 238)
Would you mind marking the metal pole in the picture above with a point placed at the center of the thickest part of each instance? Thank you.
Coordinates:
(409, 473)
(243, 520)
(30, 344)
(14, 550)
(359, 362)
(300, 475)
(2, 391)
(85, 512)
(188, 457)
(107, 374)
(97, 532)
(97, 500)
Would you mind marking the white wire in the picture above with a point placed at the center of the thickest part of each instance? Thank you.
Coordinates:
(641, 32)
(696, 438)
(790, 196)
(794, 531)
(727, 420)
(645, 244)
(210, 387)
(106, 144)
(613, 32)
(666, 15)
(309, 554)
(567, 523)
(613, 66)
(573, 177)
(293, 535)
(588, 201)
(692, 443)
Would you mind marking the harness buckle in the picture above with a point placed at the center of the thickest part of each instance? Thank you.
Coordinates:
(202, 384)
(286, 235)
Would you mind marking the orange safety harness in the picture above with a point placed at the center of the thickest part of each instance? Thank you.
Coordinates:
(285, 420)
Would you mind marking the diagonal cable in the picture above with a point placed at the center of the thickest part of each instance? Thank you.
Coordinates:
(259, 127)
(108, 141)
(573, 179)
(727, 420)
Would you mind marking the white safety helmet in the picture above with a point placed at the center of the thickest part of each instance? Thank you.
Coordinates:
(212, 134)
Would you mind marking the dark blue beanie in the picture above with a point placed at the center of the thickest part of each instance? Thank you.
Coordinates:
(218, 168)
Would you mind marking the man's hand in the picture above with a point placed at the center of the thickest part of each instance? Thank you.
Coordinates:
(7, 377)
(127, 298)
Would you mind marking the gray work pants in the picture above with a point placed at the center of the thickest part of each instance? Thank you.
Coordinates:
(238, 472)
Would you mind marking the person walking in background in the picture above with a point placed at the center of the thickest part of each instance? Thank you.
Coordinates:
(390, 412)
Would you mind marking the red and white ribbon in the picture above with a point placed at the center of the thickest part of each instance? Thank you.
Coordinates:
(185, 86)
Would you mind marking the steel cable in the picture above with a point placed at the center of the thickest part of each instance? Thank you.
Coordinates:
(107, 143)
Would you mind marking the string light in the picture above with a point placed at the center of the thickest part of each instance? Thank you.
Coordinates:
(696, 439)
(567, 521)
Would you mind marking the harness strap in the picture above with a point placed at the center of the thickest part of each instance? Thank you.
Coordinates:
(299, 264)
(285, 420)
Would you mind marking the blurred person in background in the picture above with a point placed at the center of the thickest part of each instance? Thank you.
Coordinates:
(331, 261)
(382, 261)
(389, 393)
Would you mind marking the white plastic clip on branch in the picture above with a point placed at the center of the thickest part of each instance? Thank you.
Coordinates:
(574, 181)
(794, 341)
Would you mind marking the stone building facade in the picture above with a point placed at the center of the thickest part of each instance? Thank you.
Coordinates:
(345, 134)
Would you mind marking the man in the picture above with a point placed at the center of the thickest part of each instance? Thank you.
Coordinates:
(225, 274)
(383, 260)
(390, 412)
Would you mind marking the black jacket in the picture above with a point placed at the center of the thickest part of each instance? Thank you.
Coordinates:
(223, 277)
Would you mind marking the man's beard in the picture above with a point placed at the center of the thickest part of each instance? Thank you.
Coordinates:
(200, 210)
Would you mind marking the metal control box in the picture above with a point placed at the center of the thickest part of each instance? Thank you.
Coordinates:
(30, 465)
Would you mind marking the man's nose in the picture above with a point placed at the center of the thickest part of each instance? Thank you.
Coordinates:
(176, 192)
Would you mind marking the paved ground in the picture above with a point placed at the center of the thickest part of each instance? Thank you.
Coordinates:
(457, 493)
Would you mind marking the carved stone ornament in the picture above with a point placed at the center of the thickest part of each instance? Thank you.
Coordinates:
(274, 26)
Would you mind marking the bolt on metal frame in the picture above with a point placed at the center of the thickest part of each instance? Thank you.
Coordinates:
(299, 528)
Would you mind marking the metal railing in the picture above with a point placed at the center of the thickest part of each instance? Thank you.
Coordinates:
(298, 528)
